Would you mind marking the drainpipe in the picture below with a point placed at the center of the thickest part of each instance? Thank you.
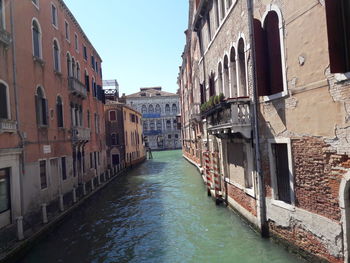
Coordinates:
(260, 178)
(14, 68)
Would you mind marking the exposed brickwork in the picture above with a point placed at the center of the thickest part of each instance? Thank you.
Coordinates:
(316, 179)
(248, 202)
(304, 240)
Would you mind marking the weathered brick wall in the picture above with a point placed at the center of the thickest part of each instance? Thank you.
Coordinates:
(317, 179)
(304, 240)
(246, 201)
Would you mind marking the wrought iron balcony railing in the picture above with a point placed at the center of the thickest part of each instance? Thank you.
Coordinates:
(77, 88)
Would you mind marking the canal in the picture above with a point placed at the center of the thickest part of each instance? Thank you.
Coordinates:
(158, 212)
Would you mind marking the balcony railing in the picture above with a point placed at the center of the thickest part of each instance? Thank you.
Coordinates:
(5, 37)
(230, 117)
(77, 88)
(7, 126)
(80, 134)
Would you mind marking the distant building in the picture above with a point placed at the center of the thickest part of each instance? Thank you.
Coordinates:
(159, 110)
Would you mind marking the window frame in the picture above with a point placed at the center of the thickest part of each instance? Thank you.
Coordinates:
(109, 115)
(53, 18)
(65, 162)
(272, 164)
(59, 70)
(36, 3)
(62, 112)
(76, 42)
(275, 8)
(66, 30)
(34, 19)
(9, 205)
(8, 106)
(3, 18)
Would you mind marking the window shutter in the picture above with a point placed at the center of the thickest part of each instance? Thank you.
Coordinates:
(336, 40)
(37, 109)
(261, 58)
(47, 117)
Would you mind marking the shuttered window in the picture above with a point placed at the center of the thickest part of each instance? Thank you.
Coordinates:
(3, 102)
(43, 178)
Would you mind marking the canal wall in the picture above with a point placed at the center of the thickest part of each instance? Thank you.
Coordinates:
(39, 224)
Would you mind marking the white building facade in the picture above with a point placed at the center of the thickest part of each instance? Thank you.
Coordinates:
(159, 110)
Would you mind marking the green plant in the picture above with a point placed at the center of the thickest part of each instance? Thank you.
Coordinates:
(221, 97)
(216, 100)
(211, 102)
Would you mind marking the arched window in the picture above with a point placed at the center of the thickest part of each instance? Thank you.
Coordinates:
(59, 109)
(143, 109)
(145, 125)
(93, 86)
(152, 125)
(220, 81)
(150, 109)
(168, 124)
(158, 109)
(36, 34)
(174, 124)
(74, 75)
(233, 73)
(242, 71)
(4, 111)
(212, 85)
(41, 107)
(174, 109)
(87, 81)
(69, 65)
(56, 56)
(226, 78)
(167, 109)
(78, 71)
(159, 125)
(88, 119)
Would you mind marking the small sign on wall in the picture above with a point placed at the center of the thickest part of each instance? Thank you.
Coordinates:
(47, 149)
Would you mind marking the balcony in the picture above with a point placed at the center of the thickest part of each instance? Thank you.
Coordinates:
(230, 117)
(5, 37)
(77, 88)
(7, 126)
(80, 134)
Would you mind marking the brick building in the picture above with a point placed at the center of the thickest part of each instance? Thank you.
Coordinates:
(273, 145)
(52, 132)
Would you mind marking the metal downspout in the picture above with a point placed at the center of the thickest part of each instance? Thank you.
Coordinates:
(260, 176)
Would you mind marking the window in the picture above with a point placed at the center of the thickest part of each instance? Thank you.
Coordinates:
(85, 52)
(76, 44)
(174, 108)
(167, 109)
(281, 170)
(232, 67)
(56, 56)
(96, 66)
(41, 108)
(269, 55)
(112, 115)
(42, 171)
(143, 109)
(158, 109)
(226, 81)
(217, 18)
(145, 125)
(67, 31)
(63, 168)
(242, 71)
(159, 125)
(212, 85)
(115, 159)
(69, 65)
(91, 160)
(338, 27)
(5, 196)
(54, 15)
(2, 15)
(4, 107)
(88, 119)
(152, 125)
(126, 138)
(59, 109)
(93, 86)
(150, 109)
(168, 124)
(174, 124)
(176, 136)
(87, 81)
(222, 2)
(169, 136)
(92, 61)
(74, 73)
(78, 71)
(36, 35)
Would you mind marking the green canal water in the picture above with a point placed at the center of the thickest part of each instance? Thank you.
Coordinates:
(158, 212)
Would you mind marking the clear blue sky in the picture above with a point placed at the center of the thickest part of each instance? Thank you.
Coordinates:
(140, 41)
